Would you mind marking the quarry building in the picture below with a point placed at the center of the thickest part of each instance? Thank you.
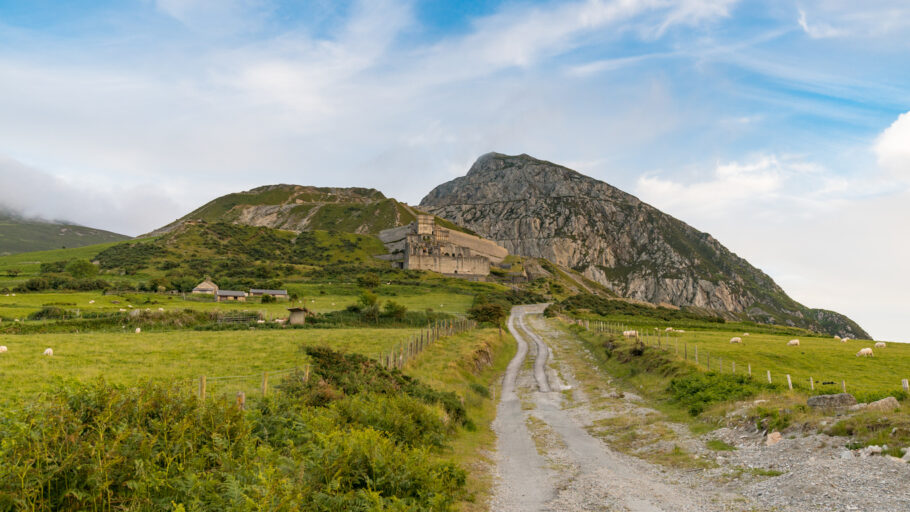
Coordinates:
(425, 245)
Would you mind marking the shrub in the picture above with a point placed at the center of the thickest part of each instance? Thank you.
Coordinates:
(697, 390)
(81, 269)
(394, 310)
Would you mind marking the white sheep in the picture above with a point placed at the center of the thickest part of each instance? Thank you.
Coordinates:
(138, 330)
(161, 310)
(865, 352)
(736, 339)
(844, 340)
(630, 334)
(668, 329)
(836, 338)
(880, 344)
(793, 343)
(745, 334)
(91, 301)
(122, 310)
(680, 331)
(48, 351)
(3, 349)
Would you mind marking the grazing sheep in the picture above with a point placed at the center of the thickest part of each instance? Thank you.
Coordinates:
(668, 329)
(793, 343)
(48, 351)
(836, 338)
(680, 331)
(745, 334)
(3, 349)
(844, 340)
(880, 344)
(161, 310)
(630, 334)
(865, 352)
(91, 301)
(737, 339)
(122, 310)
(138, 330)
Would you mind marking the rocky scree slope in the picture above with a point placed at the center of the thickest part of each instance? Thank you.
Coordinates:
(539, 209)
(302, 208)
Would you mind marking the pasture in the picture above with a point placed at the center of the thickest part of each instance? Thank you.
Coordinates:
(176, 356)
(822, 358)
(20, 305)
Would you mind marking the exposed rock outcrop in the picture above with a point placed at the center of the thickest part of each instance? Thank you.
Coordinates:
(539, 209)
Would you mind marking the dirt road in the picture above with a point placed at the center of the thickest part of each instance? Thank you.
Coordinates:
(547, 460)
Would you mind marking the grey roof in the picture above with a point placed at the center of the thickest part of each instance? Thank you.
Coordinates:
(230, 293)
(255, 291)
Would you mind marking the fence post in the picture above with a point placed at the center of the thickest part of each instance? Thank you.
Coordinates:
(734, 367)
(265, 383)
(906, 385)
(696, 355)
(789, 382)
(685, 351)
(769, 376)
(241, 400)
(811, 384)
(843, 385)
(202, 388)
(750, 369)
(708, 361)
(306, 374)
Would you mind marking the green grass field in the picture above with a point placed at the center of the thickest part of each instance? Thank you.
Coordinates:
(20, 305)
(128, 358)
(823, 359)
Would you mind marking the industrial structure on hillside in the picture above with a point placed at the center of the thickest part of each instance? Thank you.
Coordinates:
(425, 245)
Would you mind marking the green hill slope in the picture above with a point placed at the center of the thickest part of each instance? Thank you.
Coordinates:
(18, 235)
(299, 208)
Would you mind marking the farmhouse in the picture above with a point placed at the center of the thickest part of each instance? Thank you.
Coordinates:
(206, 286)
(278, 294)
(227, 295)
(424, 245)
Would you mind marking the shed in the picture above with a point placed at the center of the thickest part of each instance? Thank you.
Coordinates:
(222, 295)
(278, 294)
(298, 316)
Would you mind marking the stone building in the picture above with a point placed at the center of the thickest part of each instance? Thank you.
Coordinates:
(206, 286)
(424, 245)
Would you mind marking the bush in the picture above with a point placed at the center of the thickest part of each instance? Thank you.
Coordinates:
(81, 269)
(488, 313)
(697, 390)
(268, 299)
(394, 310)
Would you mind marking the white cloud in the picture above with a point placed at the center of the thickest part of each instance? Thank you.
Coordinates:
(217, 16)
(893, 147)
(819, 30)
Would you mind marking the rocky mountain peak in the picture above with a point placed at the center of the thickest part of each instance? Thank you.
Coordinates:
(537, 208)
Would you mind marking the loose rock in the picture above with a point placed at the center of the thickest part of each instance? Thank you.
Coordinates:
(837, 401)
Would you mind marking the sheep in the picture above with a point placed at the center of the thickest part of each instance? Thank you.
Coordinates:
(668, 329)
(630, 334)
(836, 338)
(865, 352)
(680, 331)
(91, 301)
(793, 343)
(138, 330)
(48, 351)
(745, 334)
(161, 310)
(3, 349)
(122, 310)
(737, 339)
(844, 340)
(880, 344)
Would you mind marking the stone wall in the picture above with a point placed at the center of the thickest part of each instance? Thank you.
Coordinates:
(451, 265)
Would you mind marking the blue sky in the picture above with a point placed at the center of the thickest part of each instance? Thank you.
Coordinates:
(774, 125)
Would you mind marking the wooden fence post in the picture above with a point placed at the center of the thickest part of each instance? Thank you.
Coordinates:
(843, 385)
(750, 369)
(906, 385)
(811, 384)
(241, 400)
(696, 355)
(789, 382)
(265, 383)
(734, 367)
(769, 376)
(202, 388)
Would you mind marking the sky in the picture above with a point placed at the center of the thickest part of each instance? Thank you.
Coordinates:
(780, 127)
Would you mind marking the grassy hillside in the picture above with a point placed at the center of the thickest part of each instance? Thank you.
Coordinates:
(19, 235)
(300, 208)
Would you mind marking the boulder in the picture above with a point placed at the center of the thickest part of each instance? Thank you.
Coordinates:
(837, 401)
(773, 438)
(884, 405)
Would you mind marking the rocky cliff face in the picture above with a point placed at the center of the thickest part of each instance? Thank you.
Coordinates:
(539, 209)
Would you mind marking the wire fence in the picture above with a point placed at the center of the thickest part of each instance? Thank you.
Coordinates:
(672, 341)
(259, 385)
